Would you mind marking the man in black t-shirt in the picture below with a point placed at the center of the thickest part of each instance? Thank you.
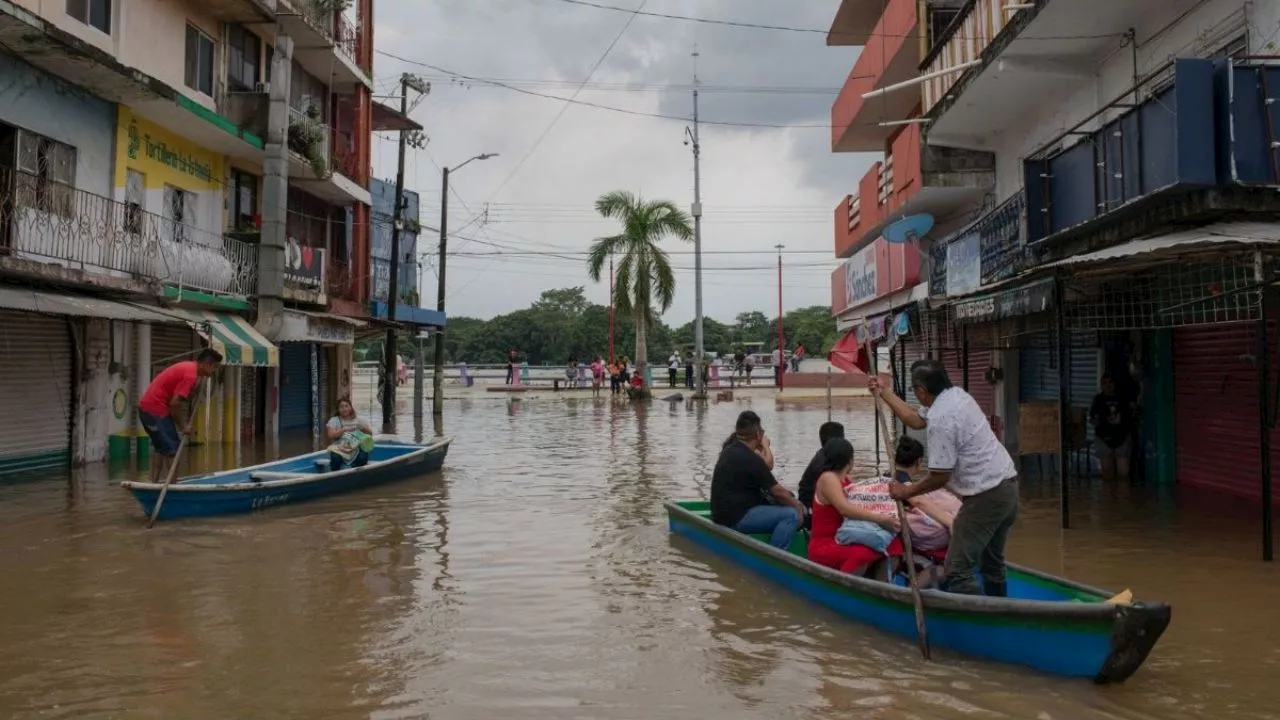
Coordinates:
(744, 494)
(1112, 415)
(809, 480)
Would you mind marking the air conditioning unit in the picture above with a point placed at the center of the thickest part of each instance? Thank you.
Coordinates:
(264, 88)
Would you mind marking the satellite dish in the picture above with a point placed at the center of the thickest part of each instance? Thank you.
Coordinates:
(908, 229)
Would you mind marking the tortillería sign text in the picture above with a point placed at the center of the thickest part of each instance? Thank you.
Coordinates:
(178, 160)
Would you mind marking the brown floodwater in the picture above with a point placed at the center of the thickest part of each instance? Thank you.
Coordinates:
(535, 578)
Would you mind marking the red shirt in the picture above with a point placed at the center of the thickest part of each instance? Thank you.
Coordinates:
(177, 380)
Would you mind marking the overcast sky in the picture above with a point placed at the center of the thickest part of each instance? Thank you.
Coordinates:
(760, 186)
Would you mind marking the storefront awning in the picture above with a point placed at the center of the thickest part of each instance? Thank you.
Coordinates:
(1209, 238)
(234, 337)
(323, 328)
(15, 298)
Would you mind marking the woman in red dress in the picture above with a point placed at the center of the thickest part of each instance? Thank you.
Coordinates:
(831, 507)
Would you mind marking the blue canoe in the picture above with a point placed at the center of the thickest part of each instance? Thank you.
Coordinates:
(291, 480)
(1048, 623)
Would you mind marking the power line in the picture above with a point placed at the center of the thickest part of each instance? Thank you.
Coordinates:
(570, 100)
(820, 31)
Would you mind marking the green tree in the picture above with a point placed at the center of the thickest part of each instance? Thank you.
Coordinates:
(644, 276)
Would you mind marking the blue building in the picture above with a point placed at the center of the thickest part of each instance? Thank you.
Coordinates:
(408, 304)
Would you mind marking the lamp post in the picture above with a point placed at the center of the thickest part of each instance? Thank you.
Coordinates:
(778, 369)
(437, 380)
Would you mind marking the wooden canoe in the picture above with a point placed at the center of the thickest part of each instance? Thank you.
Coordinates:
(290, 480)
(1047, 623)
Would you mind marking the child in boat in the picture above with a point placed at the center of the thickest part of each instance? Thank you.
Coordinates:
(930, 516)
(351, 437)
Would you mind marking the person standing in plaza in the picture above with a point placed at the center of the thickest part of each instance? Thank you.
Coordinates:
(966, 457)
(164, 409)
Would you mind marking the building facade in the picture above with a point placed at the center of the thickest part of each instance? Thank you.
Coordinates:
(1125, 224)
(134, 158)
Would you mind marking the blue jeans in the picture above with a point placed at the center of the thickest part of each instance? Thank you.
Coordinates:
(162, 431)
(780, 521)
(336, 462)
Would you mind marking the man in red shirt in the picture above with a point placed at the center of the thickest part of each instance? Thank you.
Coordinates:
(161, 410)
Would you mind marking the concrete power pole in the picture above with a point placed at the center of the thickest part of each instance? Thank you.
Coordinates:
(393, 282)
(699, 352)
(275, 195)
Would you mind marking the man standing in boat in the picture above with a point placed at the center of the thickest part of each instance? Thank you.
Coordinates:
(163, 409)
(967, 458)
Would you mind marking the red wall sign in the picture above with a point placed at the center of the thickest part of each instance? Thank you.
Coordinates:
(877, 270)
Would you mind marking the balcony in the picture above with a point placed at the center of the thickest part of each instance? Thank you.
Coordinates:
(914, 178)
(325, 42)
(891, 55)
(1125, 170)
(57, 232)
(240, 11)
(854, 22)
(1015, 64)
(312, 163)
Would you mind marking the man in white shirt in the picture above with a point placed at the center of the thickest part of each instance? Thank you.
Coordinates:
(966, 457)
(673, 367)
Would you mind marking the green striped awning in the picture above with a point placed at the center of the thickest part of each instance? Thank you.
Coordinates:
(233, 336)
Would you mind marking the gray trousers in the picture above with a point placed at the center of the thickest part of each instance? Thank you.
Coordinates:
(978, 537)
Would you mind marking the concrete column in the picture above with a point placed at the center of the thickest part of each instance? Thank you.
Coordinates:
(275, 192)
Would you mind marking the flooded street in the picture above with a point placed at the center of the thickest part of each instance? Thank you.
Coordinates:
(535, 578)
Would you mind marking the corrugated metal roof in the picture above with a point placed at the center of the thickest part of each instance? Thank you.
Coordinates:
(1241, 233)
(16, 298)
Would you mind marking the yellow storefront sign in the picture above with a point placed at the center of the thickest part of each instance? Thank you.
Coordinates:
(163, 157)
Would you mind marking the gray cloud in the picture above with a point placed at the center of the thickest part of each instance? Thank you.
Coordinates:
(546, 203)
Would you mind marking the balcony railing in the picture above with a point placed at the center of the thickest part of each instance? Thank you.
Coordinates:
(885, 186)
(347, 37)
(342, 282)
(59, 225)
(962, 43)
(310, 139)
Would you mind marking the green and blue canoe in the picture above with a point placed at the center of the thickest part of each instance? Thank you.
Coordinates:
(1048, 623)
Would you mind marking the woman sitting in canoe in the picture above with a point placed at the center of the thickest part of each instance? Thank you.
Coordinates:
(831, 506)
(352, 437)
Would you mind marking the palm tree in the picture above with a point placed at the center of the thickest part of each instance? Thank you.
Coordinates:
(644, 277)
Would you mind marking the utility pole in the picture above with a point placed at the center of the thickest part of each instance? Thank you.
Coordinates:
(699, 352)
(779, 369)
(275, 194)
(393, 284)
(437, 379)
(610, 307)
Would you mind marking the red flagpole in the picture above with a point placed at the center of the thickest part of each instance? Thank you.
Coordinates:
(781, 360)
(610, 308)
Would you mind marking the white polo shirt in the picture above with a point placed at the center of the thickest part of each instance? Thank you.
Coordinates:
(961, 442)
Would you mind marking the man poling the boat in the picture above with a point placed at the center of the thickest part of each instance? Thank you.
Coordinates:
(163, 407)
(966, 457)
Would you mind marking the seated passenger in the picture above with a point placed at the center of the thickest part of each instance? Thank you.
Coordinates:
(831, 507)
(351, 437)
(744, 494)
(809, 480)
(930, 516)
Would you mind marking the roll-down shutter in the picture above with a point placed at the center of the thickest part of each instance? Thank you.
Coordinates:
(981, 390)
(171, 344)
(248, 401)
(327, 404)
(1215, 399)
(295, 386)
(35, 386)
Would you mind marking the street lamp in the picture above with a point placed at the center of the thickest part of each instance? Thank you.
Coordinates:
(437, 381)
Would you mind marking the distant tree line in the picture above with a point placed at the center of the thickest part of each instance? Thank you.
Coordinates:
(562, 323)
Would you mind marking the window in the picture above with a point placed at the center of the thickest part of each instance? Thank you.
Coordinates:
(135, 199)
(180, 212)
(244, 201)
(199, 70)
(46, 173)
(244, 59)
(305, 91)
(94, 13)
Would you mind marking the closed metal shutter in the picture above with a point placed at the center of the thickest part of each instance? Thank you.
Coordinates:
(295, 386)
(1040, 377)
(1215, 378)
(248, 401)
(981, 390)
(1039, 374)
(35, 388)
(171, 344)
(328, 406)
(906, 353)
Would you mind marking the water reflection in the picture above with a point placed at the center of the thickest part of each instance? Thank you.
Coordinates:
(535, 578)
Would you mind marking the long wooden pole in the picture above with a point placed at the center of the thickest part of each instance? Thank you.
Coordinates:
(922, 632)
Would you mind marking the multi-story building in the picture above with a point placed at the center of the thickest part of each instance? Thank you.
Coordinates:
(133, 149)
(1125, 222)
(409, 304)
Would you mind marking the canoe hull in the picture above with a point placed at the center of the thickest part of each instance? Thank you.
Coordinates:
(1106, 643)
(186, 499)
